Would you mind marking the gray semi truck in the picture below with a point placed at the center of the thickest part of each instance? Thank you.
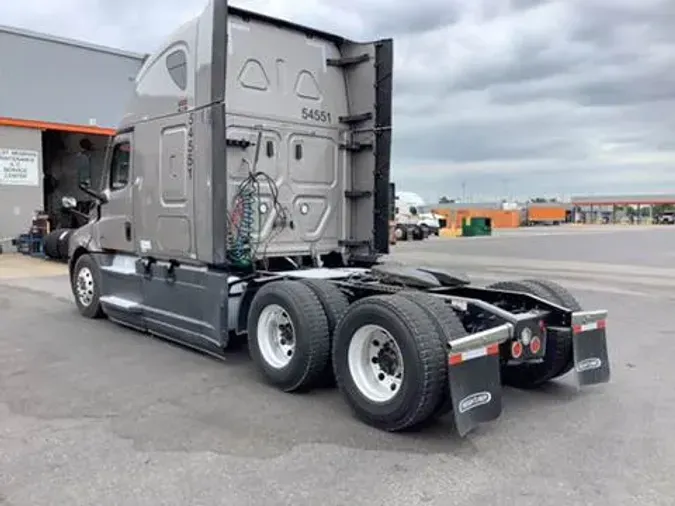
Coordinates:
(247, 194)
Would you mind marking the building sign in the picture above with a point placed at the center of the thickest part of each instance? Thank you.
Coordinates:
(19, 167)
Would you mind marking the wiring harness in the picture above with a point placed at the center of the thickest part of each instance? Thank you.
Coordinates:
(241, 227)
(244, 237)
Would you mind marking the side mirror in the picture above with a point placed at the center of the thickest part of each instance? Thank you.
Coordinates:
(102, 198)
(69, 202)
(413, 210)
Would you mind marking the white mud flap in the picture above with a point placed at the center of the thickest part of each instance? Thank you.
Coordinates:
(474, 377)
(591, 360)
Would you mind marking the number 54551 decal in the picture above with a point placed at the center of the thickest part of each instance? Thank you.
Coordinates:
(319, 115)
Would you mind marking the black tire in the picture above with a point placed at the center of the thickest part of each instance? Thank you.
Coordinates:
(449, 327)
(93, 309)
(561, 296)
(62, 244)
(417, 234)
(335, 305)
(424, 362)
(558, 350)
(558, 294)
(50, 244)
(311, 338)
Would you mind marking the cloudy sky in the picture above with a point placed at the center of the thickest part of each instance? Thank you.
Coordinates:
(493, 98)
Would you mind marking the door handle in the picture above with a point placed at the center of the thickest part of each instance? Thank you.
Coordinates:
(127, 230)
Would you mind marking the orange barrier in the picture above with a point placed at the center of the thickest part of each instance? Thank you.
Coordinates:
(450, 232)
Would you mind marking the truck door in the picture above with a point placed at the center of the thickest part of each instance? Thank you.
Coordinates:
(115, 227)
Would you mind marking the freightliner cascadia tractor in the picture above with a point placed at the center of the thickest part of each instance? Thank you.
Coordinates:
(247, 194)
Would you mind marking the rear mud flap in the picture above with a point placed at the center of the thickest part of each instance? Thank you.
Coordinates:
(474, 378)
(589, 339)
(476, 392)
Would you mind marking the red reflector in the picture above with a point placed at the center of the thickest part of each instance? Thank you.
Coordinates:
(516, 349)
(600, 324)
(455, 359)
(493, 349)
(535, 345)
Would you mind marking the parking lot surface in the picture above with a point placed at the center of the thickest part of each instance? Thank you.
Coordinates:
(95, 414)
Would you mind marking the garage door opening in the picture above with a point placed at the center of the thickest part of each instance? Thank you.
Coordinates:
(70, 158)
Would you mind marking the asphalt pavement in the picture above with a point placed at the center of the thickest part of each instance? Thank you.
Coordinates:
(95, 414)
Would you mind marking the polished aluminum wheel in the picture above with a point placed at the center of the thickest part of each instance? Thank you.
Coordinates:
(84, 286)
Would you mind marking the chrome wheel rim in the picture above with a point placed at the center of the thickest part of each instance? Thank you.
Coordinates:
(85, 286)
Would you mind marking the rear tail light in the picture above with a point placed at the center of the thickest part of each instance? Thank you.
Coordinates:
(516, 349)
(535, 345)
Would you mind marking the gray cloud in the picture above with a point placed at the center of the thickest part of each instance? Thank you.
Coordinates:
(517, 97)
(384, 17)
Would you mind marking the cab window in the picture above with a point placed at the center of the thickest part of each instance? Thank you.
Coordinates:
(176, 64)
(119, 167)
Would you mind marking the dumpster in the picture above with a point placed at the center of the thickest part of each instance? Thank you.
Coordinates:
(476, 226)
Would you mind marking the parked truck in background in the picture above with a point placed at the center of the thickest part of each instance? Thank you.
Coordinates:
(247, 194)
(414, 221)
